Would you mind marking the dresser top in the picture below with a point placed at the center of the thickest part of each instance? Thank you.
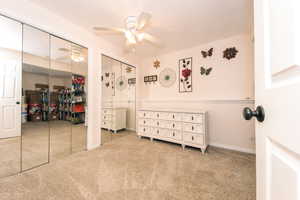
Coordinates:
(179, 110)
(112, 108)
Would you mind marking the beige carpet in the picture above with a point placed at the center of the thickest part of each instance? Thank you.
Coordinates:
(132, 168)
(65, 138)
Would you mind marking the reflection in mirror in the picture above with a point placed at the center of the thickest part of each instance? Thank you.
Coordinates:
(35, 95)
(60, 98)
(10, 96)
(79, 57)
(118, 97)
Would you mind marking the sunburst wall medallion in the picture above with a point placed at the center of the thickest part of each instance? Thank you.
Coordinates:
(167, 77)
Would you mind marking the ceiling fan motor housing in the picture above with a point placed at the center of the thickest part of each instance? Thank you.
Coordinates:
(131, 23)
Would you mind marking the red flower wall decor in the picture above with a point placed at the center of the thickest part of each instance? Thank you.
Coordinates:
(185, 75)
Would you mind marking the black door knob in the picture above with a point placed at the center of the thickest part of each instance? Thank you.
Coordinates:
(259, 113)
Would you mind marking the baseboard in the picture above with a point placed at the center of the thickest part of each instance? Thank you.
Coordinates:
(234, 148)
(131, 129)
(93, 147)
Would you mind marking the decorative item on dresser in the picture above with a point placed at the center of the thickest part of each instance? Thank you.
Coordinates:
(113, 119)
(188, 128)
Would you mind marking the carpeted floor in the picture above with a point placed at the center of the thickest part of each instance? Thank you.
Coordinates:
(132, 168)
(65, 138)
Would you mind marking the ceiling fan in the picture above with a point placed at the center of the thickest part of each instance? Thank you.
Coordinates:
(133, 31)
(75, 53)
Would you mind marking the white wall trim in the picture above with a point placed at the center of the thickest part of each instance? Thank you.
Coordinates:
(234, 148)
(209, 101)
(131, 129)
(91, 147)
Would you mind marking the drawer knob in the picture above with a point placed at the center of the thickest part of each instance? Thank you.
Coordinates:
(173, 125)
(144, 122)
(173, 134)
(144, 129)
(192, 117)
(192, 127)
(157, 131)
(158, 115)
(144, 114)
(173, 117)
(192, 137)
(157, 123)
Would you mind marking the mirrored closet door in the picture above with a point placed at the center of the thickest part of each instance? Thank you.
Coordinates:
(79, 59)
(60, 98)
(10, 96)
(43, 97)
(118, 99)
(35, 98)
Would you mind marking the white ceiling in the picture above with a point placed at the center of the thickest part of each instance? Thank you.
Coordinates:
(178, 23)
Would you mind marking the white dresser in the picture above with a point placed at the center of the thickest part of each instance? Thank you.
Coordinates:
(182, 127)
(113, 118)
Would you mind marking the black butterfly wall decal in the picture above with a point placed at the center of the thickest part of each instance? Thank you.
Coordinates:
(204, 71)
(207, 53)
(106, 74)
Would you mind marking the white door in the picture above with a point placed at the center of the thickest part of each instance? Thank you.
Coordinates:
(10, 98)
(277, 85)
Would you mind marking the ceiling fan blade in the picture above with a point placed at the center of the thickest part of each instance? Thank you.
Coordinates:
(100, 30)
(63, 58)
(151, 39)
(63, 49)
(143, 20)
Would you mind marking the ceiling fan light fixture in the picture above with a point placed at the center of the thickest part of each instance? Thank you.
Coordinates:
(130, 37)
(140, 36)
(77, 58)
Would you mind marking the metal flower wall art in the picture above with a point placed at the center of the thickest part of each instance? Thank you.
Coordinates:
(156, 64)
(230, 53)
(185, 75)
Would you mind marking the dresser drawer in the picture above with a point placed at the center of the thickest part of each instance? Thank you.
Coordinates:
(193, 118)
(175, 116)
(107, 117)
(145, 114)
(159, 115)
(144, 130)
(195, 128)
(107, 111)
(174, 134)
(146, 122)
(106, 124)
(159, 123)
(174, 125)
(158, 132)
(193, 138)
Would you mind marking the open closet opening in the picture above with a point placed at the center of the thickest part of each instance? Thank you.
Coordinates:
(118, 81)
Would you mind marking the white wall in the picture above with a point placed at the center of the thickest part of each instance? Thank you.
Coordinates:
(30, 79)
(224, 93)
(30, 13)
